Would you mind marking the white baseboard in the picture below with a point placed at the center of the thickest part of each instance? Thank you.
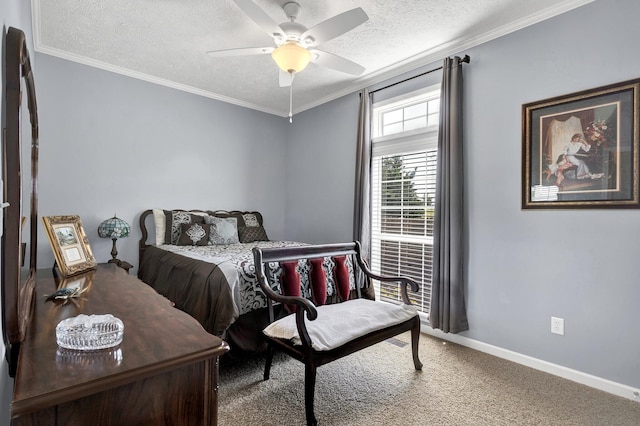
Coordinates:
(557, 370)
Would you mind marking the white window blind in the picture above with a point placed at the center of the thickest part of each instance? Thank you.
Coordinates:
(403, 196)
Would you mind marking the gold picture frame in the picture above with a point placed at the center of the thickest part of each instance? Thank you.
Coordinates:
(69, 244)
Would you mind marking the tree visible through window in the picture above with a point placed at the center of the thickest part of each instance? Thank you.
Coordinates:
(403, 194)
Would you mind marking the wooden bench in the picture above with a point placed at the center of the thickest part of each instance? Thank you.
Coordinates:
(304, 279)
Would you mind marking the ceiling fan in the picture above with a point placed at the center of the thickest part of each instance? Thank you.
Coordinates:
(295, 44)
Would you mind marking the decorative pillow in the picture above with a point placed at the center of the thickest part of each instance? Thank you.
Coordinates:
(250, 219)
(318, 281)
(194, 234)
(224, 214)
(173, 222)
(224, 230)
(341, 273)
(249, 234)
(290, 282)
(160, 221)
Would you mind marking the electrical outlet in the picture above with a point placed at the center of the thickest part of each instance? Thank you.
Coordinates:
(557, 326)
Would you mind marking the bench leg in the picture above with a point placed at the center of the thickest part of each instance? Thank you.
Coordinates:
(309, 391)
(415, 340)
(268, 361)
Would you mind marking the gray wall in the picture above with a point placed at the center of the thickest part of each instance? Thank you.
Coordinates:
(523, 266)
(112, 144)
(321, 172)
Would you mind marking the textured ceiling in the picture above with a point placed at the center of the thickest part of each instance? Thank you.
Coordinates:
(165, 41)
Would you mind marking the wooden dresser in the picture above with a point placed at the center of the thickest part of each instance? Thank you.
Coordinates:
(164, 372)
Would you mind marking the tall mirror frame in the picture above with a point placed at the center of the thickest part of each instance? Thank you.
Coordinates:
(18, 285)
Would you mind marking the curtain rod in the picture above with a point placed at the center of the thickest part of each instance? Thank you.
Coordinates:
(466, 59)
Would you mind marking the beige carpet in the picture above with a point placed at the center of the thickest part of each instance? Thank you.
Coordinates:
(379, 386)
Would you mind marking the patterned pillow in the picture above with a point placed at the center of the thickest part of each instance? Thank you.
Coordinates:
(194, 234)
(174, 220)
(250, 219)
(224, 230)
(249, 234)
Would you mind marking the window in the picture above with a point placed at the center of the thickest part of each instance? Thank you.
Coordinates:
(403, 191)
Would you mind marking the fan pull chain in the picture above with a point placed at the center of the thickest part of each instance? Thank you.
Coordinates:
(293, 74)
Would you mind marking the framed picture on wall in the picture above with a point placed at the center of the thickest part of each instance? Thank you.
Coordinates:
(581, 150)
(69, 244)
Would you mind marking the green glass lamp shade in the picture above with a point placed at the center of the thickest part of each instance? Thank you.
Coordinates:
(114, 228)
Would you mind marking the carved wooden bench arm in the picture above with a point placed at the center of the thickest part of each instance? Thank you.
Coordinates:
(404, 281)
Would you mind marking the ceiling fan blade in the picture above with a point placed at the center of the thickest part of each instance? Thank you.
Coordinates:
(260, 17)
(285, 79)
(333, 27)
(335, 62)
(244, 51)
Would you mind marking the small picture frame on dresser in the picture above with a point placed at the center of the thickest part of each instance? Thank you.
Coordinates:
(69, 244)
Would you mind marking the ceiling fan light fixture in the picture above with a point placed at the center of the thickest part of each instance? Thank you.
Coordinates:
(291, 57)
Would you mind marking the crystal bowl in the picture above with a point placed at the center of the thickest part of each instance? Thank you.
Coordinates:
(89, 332)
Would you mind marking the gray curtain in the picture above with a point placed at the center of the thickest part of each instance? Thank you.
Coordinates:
(448, 311)
(362, 194)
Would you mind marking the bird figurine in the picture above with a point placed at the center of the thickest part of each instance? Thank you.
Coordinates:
(65, 294)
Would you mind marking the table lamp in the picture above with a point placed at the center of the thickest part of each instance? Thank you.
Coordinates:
(114, 228)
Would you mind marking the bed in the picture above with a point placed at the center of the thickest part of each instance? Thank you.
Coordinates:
(202, 261)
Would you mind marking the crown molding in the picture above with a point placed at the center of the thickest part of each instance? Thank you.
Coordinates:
(447, 49)
(152, 79)
(425, 58)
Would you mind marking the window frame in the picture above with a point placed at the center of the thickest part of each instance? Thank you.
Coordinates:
(403, 143)
(401, 102)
